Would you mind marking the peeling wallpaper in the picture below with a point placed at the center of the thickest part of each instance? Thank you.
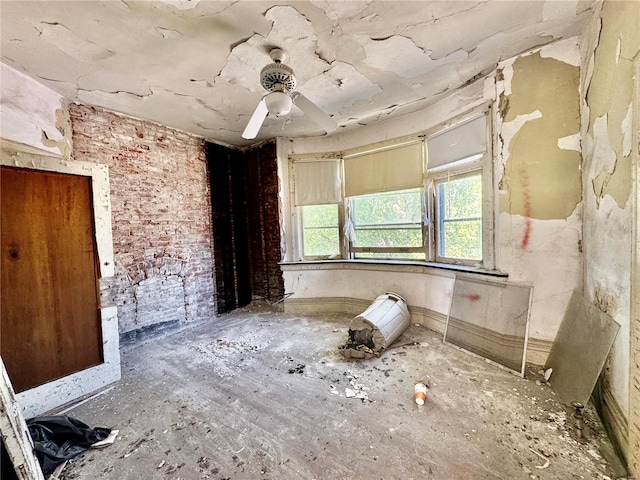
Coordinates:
(541, 179)
(607, 178)
(538, 177)
(609, 99)
(38, 120)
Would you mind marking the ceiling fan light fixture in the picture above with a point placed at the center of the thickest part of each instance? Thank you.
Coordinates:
(279, 80)
(278, 103)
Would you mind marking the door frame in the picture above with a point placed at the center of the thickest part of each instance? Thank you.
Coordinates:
(48, 396)
(15, 434)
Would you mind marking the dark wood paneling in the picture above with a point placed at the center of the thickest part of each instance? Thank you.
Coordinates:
(49, 317)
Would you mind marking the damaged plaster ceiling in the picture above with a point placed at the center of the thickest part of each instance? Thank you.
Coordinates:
(195, 64)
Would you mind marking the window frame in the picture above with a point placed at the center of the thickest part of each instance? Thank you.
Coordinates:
(339, 253)
(481, 163)
(354, 250)
(436, 231)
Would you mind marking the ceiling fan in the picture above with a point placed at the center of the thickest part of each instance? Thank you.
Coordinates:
(280, 81)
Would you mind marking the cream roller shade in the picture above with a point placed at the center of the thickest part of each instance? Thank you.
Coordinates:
(457, 143)
(387, 170)
(317, 182)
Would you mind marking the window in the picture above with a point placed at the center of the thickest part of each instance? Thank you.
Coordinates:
(455, 172)
(459, 218)
(388, 225)
(321, 237)
(318, 195)
(429, 198)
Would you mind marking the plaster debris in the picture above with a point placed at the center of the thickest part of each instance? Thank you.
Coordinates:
(242, 425)
(545, 459)
(356, 390)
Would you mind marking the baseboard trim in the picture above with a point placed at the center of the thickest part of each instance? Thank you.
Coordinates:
(615, 421)
(537, 349)
(134, 338)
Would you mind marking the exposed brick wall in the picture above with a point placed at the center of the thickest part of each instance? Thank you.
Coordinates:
(264, 223)
(246, 218)
(161, 217)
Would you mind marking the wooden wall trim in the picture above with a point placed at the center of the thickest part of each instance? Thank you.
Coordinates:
(14, 433)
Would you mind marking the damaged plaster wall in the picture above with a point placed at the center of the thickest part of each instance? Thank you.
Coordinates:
(538, 199)
(611, 44)
(33, 115)
(538, 177)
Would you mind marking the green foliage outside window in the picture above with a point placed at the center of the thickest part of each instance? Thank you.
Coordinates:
(460, 218)
(390, 219)
(393, 220)
(321, 237)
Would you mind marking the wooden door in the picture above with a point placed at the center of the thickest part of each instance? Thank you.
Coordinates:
(49, 317)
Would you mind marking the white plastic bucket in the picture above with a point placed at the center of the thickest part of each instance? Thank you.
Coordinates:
(387, 317)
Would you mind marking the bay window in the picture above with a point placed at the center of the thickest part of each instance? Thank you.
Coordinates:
(426, 199)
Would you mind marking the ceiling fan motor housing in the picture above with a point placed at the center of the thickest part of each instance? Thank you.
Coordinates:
(278, 77)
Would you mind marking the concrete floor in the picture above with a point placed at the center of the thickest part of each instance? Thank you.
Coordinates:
(258, 394)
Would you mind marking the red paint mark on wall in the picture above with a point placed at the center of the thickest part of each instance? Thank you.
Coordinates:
(527, 233)
(474, 297)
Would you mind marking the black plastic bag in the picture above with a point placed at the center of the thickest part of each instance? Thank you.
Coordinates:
(58, 438)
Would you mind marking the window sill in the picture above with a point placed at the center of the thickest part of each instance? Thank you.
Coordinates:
(387, 265)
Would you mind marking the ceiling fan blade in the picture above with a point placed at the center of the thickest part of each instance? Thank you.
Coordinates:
(327, 123)
(256, 121)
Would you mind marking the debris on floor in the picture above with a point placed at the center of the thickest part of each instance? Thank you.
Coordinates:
(420, 393)
(356, 390)
(107, 441)
(299, 368)
(377, 327)
(58, 438)
(55, 475)
(478, 421)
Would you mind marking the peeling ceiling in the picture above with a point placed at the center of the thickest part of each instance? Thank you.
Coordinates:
(195, 65)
